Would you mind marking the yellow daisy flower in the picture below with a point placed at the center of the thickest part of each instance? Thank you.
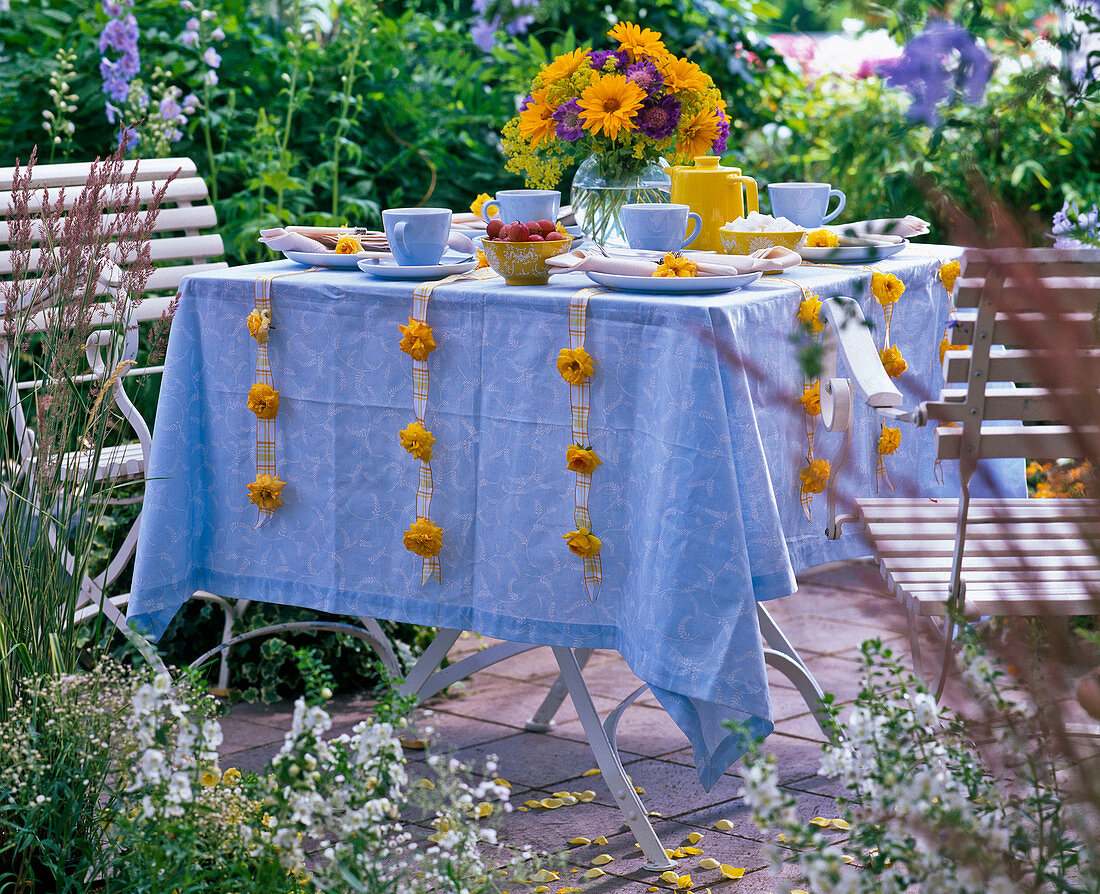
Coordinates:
(673, 266)
(638, 41)
(536, 122)
(423, 538)
(814, 477)
(682, 75)
(609, 105)
(565, 66)
(892, 361)
(266, 492)
(698, 133)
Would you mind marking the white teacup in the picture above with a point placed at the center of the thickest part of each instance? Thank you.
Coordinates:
(805, 203)
(523, 205)
(417, 236)
(658, 226)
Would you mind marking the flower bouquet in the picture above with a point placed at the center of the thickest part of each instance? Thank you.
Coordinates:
(620, 111)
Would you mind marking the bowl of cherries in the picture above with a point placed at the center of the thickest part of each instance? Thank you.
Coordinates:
(518, 251)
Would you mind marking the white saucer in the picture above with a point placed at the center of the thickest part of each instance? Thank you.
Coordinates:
(672, 285)
(383, 268)
(324, 259)
(851, 254)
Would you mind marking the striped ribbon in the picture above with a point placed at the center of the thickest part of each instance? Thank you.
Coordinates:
(580, 401)
(265, 428)
(431, 566)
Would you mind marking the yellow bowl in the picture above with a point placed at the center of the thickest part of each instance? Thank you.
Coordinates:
(739, 242)
(523, 263)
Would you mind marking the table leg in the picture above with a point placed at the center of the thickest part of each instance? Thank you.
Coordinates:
(543, 719)
(607, 758)
(425, 679)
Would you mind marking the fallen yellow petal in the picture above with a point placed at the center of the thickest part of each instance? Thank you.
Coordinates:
(503, 782)
(820, 821)
(544, 875)
(848, 858)
(541, 889)
(594, 873)
(639, 790)
(684, 881)
(602, 860)
(798, 891)
(655, 813)
(559, 794)
(688, 849)
(669, 876)
(781, 837)
(653, 889)
(732, 871)
(569, 890)
(709, 863)
(425, 783)
(586, 796)
(840, 824)
(568, 800)
(723, 825)
(414, 744)
(550, 803)
(523, 809)
(676, 854)
(532, 804)
(600, 841)
(592, 772)
(695, 838)
(580, 840)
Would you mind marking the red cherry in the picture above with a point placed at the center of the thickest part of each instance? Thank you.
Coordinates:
(518, 232)
(554, 236)
(494, 227)
(535, 237)
(547, 226)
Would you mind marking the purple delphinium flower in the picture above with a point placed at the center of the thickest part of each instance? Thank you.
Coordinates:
(658, 117)
(484, 34)
(120, 35)
(211, 58)
(943, 61)
(598, 59)
(644, 73)
(568, 118)
(722, 141)
(519, 25)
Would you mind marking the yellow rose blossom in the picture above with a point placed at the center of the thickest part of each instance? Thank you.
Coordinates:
(822, 239)
(417, 440)
(811, 399)
(892, 361)
(575, 365)
(416, 339)
(582, 542)
(889, 440)
(348, 245)
(815, 476)
(263, 400)
(581, 459)
(609, 105)
(259, 322)
(536, 122)
(698, 133)
(638, 41)
(565, 66)
(945, 346)
(423, 538)
(231, 776)
(682, 75)
(266, 492)
(809, 314)
(949, 272)
(886, 288)
(477, 204)
(673, 266)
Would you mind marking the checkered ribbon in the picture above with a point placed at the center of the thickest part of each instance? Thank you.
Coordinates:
(580, 401)
(265, 428)
(431, 566)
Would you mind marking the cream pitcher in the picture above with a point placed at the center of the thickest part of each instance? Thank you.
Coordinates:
(717, 194)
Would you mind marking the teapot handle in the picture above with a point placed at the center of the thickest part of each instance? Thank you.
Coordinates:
(752, 196)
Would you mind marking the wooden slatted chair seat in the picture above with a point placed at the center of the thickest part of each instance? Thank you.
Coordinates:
(1023, 380)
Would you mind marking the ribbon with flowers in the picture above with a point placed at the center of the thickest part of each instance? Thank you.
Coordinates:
(886, 289)
(814, 476)
(424, 537)
(266, 491)
(576, 367)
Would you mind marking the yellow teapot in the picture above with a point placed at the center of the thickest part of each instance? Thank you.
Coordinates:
(716, 194)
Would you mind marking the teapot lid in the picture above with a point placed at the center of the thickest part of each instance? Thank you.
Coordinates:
(707, 164)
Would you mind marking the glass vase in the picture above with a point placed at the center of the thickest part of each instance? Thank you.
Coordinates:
(598, 197)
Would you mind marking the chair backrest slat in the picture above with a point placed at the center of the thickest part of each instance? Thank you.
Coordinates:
(76, 173)
(1008, 328)
(190, 189)
(1016, 365)
(1023, 404)
(1067, 293)
(1009, 441)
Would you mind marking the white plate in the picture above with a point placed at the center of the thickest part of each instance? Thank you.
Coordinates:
(851, 254)
(384, 268)
(324, 259)
(672, 285)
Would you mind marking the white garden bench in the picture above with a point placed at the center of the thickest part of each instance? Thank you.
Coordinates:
(182, 245)
(1025, 382)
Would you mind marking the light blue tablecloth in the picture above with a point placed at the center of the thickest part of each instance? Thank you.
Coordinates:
(696, 503)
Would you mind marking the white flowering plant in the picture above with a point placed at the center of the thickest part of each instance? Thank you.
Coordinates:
(932, 800)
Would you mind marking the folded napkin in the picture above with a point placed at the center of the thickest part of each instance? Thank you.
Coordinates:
(893, 229)
(775, 258)
(280, 240)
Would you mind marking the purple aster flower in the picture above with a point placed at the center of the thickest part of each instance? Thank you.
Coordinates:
(644, 73)
(484, 34)
(519, 25)
(211, 57)
(722, 141)
(939, 64)
(599, 59)
(658, 116)
(568, 118)
(170, 109)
